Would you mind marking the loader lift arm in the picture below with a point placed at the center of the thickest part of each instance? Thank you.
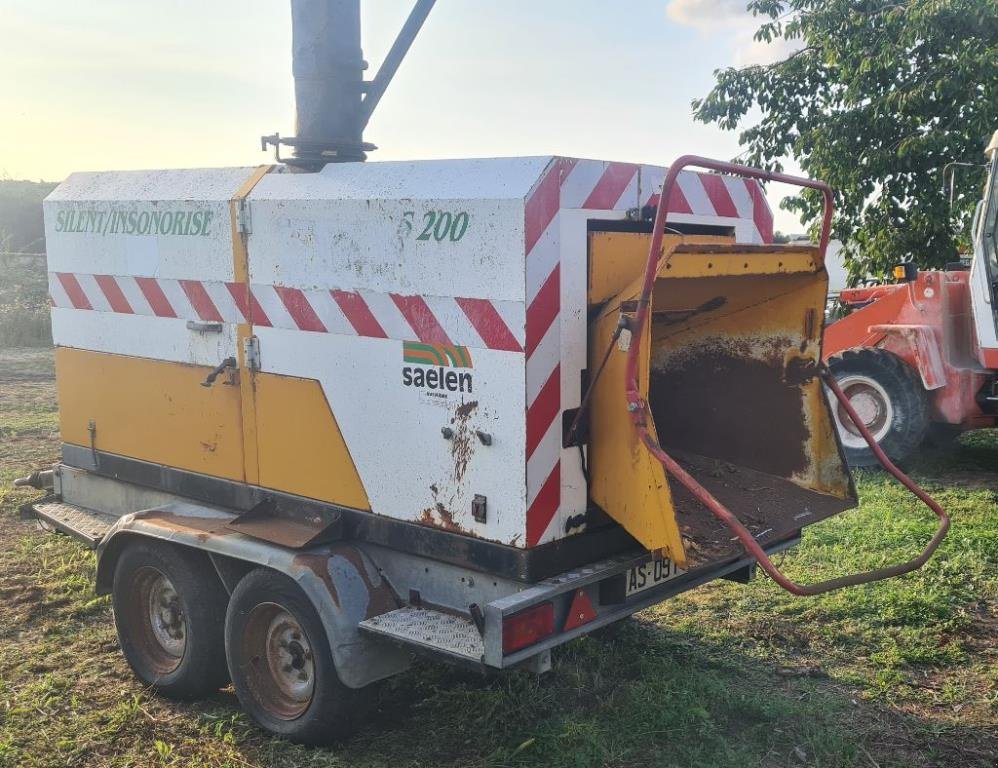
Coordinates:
(640, 415)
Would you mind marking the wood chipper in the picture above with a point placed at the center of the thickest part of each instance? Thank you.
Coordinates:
(319, 415)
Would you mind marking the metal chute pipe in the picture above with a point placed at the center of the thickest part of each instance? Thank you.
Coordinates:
(333, 103)
(328, 67)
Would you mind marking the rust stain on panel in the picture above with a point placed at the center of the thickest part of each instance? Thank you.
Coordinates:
(462, 445)
(441, 517)
(319, 565)
(203, 527)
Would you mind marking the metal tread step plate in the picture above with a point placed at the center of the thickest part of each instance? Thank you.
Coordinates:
(430, 630)
(88, 525)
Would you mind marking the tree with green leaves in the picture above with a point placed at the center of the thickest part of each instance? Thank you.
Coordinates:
(877, 97)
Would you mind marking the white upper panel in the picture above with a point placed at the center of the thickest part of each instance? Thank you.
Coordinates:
(191, 184)
(448, 228)
(167, 224)
(507, 178)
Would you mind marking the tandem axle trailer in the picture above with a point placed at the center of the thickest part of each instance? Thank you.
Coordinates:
(320, 415)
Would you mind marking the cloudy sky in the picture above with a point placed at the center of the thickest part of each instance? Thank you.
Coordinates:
(118, 84)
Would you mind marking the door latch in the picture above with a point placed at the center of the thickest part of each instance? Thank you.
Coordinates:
(229, 362)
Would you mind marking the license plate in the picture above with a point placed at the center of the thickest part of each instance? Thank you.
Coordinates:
(650, 574)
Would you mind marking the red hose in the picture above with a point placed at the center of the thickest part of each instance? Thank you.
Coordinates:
(639, 410)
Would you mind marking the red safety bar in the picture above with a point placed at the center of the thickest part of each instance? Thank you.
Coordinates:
(638, 408)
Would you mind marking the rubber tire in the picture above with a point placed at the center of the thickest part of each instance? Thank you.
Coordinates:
(335, 709)
(202, 670)
(908, 398)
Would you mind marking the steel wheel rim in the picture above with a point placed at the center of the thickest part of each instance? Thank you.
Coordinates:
(281, 663)
(159, 612)
(872, 404)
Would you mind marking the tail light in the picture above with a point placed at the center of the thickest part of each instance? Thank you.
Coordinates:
(527, 627)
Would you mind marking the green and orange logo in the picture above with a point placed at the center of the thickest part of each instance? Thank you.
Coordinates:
(445, 355)
(430, 364)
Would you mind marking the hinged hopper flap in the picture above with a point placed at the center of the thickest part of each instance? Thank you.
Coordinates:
(728, 367)
(627, 482)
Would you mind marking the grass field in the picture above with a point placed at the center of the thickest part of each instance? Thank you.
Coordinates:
(899, 674)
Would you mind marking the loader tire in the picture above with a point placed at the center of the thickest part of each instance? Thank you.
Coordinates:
(888, 394)
(169, 611)
(281, 665)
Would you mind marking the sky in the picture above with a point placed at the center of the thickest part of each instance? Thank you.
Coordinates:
(119, 84)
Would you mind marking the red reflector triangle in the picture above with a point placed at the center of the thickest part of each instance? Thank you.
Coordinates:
(581, 612)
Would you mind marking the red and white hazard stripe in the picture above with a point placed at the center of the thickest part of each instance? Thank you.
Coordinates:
(572, 184)
(708, 194)
(477, 323)
(543, 255)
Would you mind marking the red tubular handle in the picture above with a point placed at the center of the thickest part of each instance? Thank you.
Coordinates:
(635, 405)
(639, 410)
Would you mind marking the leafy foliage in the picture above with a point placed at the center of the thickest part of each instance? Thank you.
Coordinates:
(24, 307)
(21, 227)
(877, 98)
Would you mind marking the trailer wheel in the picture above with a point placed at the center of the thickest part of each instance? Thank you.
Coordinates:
(888, 395)
(168, 609)
(281, 664)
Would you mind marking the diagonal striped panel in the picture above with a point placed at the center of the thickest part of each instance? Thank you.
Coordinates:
(587, 184)
(300, 309)
(113, 293)
(543, 267)
(358, 314)
(709, 194)
(611, 187)
(73, 291)
(489, 324)
(444, 320)
(158, 302)
(421, 319)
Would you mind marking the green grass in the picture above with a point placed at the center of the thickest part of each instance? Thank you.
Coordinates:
(897, 674)
(24, 308)
(24, 315)
(21, 225)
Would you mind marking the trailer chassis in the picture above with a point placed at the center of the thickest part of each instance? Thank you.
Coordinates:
(377, 604)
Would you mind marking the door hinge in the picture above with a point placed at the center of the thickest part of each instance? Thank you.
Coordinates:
(244, 222)
(251, 353)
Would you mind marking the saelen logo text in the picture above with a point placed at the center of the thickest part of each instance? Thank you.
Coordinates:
(431, 364)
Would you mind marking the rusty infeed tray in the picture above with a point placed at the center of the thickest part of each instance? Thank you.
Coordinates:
(770, 507)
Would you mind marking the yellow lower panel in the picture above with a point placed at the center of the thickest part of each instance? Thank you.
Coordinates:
(300, 447)
(158, 411)
(151, 410)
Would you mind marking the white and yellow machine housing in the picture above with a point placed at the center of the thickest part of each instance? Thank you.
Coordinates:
(406, 338)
